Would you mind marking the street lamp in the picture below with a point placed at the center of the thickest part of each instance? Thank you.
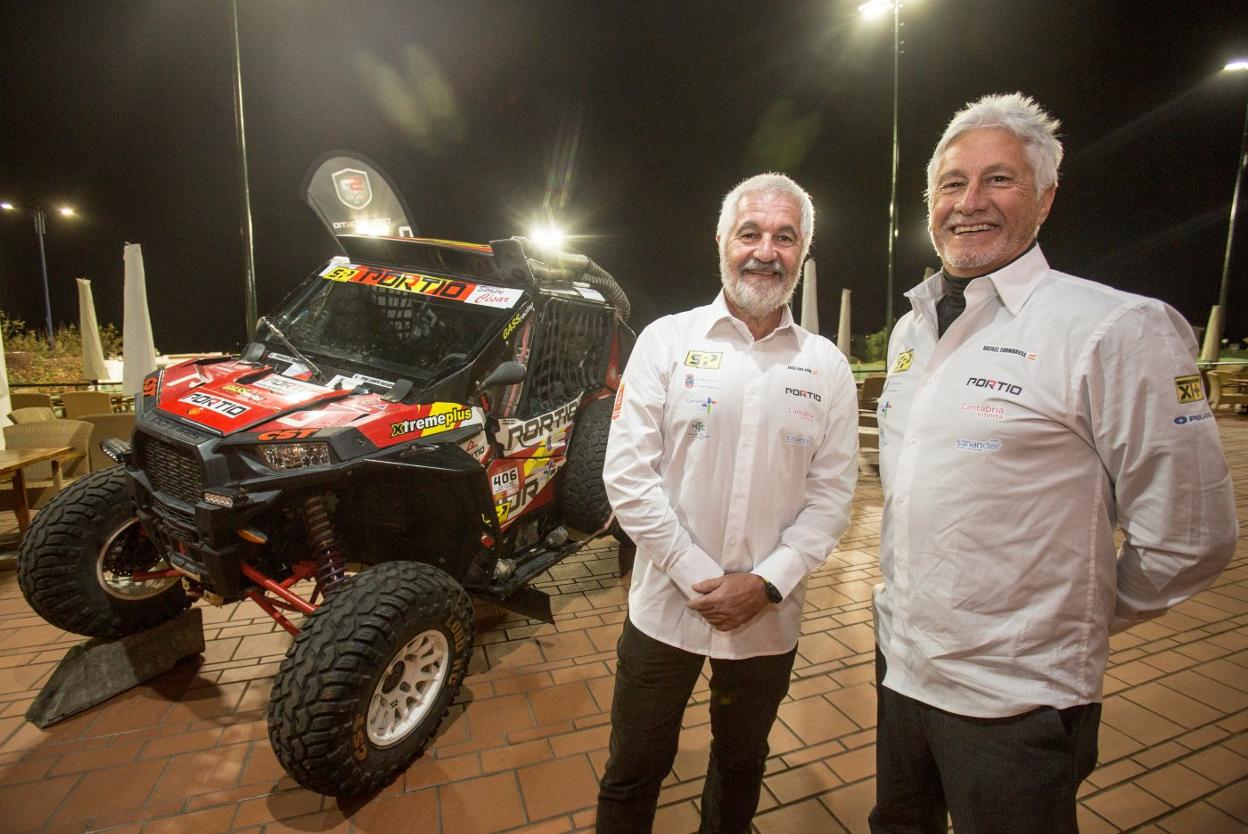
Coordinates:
(871, 10)
(41, 228)
(1239, 65)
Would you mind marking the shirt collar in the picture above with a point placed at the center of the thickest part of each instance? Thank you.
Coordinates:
(721, 317)
(1014, 282)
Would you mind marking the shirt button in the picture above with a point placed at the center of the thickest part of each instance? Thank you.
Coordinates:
(910, 441)
(927, 380)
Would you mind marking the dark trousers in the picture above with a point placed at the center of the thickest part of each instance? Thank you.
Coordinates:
(653, 682)
(1016, 775)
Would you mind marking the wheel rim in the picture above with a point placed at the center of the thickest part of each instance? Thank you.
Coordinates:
(408, 688)
(126, 551)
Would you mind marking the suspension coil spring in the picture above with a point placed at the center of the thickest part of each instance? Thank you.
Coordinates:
(331, 567)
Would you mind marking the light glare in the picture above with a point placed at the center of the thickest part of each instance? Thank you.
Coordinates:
(1238, 65)
(875, 8)
(374, 228)
(548, 236)
(7, 206)
(66, 211)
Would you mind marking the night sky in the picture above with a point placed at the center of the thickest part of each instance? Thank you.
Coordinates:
(627, 120)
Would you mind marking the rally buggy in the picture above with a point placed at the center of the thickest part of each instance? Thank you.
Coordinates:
(421, 420)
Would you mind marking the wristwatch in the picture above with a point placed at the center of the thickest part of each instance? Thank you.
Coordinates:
(773, 593)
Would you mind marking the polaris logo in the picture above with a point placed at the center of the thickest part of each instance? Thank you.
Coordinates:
(806, 395)
(995, 385)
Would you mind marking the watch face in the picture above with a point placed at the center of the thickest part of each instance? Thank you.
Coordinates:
(773, 593)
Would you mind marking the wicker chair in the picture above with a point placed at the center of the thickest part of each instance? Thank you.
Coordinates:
(81, 403)
(26, 400)
(105, 426)
(31, 413)
(43, 434)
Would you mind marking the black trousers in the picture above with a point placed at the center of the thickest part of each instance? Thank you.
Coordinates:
(990, 775)
(653, 682)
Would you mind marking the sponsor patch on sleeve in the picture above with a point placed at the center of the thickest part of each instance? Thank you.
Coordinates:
(1188, 388)
(902, 362)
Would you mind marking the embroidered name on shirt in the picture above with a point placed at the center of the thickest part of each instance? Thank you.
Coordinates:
(796, 440)
(703, 359)
(1014, 351)
(1188, 388)
(996, 385)
(812, 371)
(806, 395)
(902, 362)
(965, 445)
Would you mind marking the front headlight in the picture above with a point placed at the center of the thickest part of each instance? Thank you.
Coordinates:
(295, 455)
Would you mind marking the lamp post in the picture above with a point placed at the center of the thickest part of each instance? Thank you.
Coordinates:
(874, 9)
(1240, 65)
(41, 229)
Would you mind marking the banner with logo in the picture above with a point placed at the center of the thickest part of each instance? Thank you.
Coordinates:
(352, 196)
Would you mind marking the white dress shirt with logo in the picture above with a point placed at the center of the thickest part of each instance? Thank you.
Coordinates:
(1053, 410)
(730, 455)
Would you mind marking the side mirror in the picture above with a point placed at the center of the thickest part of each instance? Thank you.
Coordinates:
(507, 373)
(253, 353)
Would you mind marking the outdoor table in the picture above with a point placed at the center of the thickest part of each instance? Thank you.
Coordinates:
(12, 461)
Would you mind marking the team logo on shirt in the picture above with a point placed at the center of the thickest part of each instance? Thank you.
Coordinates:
(804, 394)
(1182, 420)
(902, 362)
(698, 430)
(995, 385)
(811, 371)
(701, 405)
(965, 445)
(689, 383)
(704, 359)
(1188, 388)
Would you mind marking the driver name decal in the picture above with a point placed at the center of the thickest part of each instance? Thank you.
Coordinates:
(448, 289)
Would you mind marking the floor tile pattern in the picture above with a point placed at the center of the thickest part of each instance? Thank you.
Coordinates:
(523, 749)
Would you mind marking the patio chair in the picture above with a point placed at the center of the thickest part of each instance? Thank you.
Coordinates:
(80, 403)
(29, 400)
(31, 413)
(42, 434)
(872, 387)
(105, 426)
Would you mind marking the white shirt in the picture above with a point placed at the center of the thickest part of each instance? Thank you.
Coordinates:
(1053, 410)
(730, 455)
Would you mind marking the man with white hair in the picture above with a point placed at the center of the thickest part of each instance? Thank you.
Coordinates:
(731, 463)
(1027, 414)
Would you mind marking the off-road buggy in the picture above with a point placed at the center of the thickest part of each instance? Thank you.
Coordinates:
(421, 420)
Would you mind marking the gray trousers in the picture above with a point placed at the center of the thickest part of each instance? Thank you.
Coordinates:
(1015, 775)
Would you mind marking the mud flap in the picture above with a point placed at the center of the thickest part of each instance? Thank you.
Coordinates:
(528, 602)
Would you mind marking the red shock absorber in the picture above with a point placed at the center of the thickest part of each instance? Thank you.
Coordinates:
(331, 567)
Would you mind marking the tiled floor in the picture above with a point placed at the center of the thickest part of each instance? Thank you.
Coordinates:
(189, 752)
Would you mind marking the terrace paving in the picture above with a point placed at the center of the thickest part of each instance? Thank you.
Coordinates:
(523, 749)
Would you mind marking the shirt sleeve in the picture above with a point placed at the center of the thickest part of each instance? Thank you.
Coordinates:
(631, 470)
(1171, 490)
(830, 481)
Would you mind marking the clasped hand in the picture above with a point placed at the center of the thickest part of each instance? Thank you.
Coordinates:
(730, 600)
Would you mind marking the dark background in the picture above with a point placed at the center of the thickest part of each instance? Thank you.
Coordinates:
(627, 120)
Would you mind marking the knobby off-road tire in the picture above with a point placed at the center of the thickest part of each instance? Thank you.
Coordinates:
(370, 677)
(582, 495)
(76, 559)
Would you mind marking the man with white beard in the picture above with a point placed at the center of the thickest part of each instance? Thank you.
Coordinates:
(731, 463)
